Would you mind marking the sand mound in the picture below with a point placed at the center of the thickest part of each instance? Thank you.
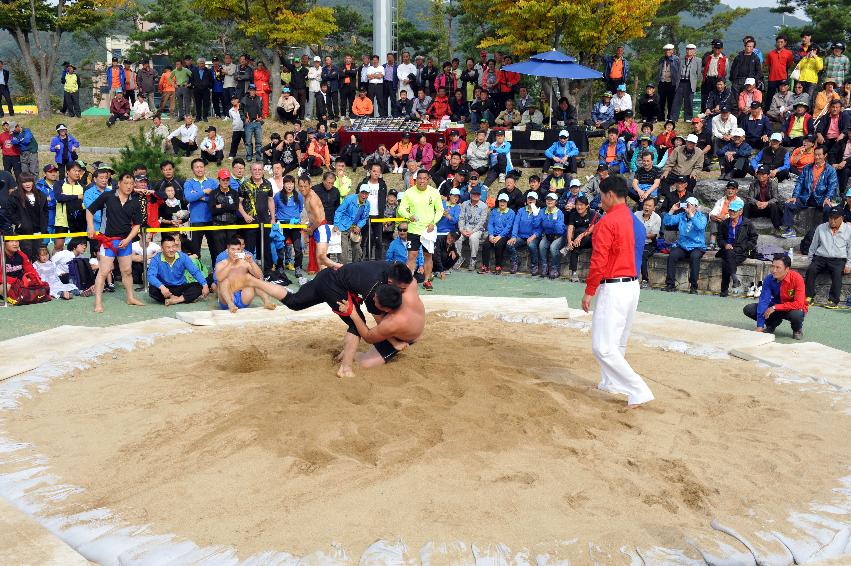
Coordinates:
(482, 431)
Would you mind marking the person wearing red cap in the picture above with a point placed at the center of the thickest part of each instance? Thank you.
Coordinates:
(613, 277)
(224, 208)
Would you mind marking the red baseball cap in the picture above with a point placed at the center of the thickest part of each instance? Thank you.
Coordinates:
(223, 174)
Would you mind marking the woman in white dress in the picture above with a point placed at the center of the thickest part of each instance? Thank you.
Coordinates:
(47, 271)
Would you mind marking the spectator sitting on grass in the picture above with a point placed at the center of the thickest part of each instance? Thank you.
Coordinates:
(613, 152)
(48, 273)
(562, 151)
(167, 270)
(119, 109)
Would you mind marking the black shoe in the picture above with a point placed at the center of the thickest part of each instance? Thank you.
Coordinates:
(724, 294)
(692, 291)
(669, 289)
(109, 287)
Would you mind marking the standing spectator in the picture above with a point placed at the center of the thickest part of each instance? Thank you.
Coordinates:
(616, 70)
(469, 80)
(119, 109)
(244, 76)
(830, 251)
(691, 243)
(809, 67)
(836, 65)
(779, 61)
(553, 230)
(202, 85)
(146, 81)
(428, 75)
(735, 156)
(668, 76)
(213, 150)
(23, 139)
(237, 127)
(314, 80)
(289, 205)
(219, 102)
(816, 187)
(71, 92)
(251, 111)
(183, 139)
(652, 226)
(28, 212)
(4, 91)
(351, 218)
(762, 199)
(714, 70)
(11, 152)
(782, 298)
(507, 82)
(349, 84)
(746, 65)
(375, 88)
(224, 211)
(197, 192)
(181, 77)
(737, 242)
(500, 225)
(129, 82)
(649, 105)
(115, 78)
(166, 86)
(229, 70)
(65, 146)
(298, 84)
(690, 72)
(390, 86)
(446, 80)
(331, 76)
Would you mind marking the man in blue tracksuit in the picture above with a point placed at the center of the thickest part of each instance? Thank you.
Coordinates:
(196, 191)
(816, 187)
(167, 275)
(691, 244)
(526, 232)
(562, 151)
(350, 218)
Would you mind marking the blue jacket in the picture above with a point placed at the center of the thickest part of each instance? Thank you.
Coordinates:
(500, 223)
(23, 140)
(218, 85)
(620, 155)
(744, 150)
(610, 60)
(505, 149)
(160, 272)
(89, 196)
(552, 225)
(569, 149)
(758, 158)
(526, 225)
(397, 251)
(193, 192)
(47, 191)
(599, 115)
(692, 230)
(289, 212)
(350, 213)
(121, 77)
(446, 225)
(756, 128)
(465, 192)
(827, 186)
(63, 156)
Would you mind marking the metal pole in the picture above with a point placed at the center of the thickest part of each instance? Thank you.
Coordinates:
(552, 88)
(3, 267)
(261, 249)
(369, 236)
(144, 241)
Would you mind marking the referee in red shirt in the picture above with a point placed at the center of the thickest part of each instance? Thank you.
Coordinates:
(613, 277)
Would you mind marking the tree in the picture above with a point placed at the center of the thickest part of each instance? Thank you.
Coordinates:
(37, 27)
(830, 19)
(140, 150)
(178, 29)
(416, 40)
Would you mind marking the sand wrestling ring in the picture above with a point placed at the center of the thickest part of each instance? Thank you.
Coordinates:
(228, 440)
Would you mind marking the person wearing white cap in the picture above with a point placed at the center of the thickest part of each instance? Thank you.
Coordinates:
(65, 146)
(526, 232)
(562, 151)
(691, 242)
(668, 79)
(773, 156)
(690, 73)
(314, 79)
(500, 225)
(720, 211)
(746, 65)
(553, 231)
(735, 156)
(737, 239)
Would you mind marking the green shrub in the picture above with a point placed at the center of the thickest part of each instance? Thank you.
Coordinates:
(142, 151)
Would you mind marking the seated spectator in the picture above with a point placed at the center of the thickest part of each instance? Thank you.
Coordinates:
(579, 227)
(691, 242)
(23, 285)
(553, 231)
(473, 182)
(816, 187)
(352, 153)
(603, 113)
(781, 105)
(72, 266)
(797, 126)
(719, 97)
(722, 129)
(621, 102)
(167, 281)
(119, 109)
(439, 107)
(159, 131)
(398, 251)
(379, 157)
(423, 153)
(803, 155)
(762, 199)
(420, 106)
(846, 208)
(459, 107)
(350, 219)
(627, 127)
(782, 298)
(287, 107)
(684, 161)
(648, 104)
(652, 226)
(840, 158)
(212, 147)
(748, 96)
(457, 144)
(48, 272)
(483, 108)
(526, 233)
(800, 95)
(565, 113)
(510, 116)
(454, 167)
(478, 153)
(472, 221)
(613, 152)
(737, 241)
(775, 157)
(830, 251)
(404, 106)
(409, 177)
(592, 186)
(446, 254)
(721, 210)
(532, 117)
(704, 141)
(451, 209)
(825, 96)
(318, 156)
(756, 126)
(516, 200)
(141, 110)
(500, 225)
(645, 181)
(665, 140)
(183, 138)
(644, 144)
(678, 192)
(832, 127)
(500, 159)
(400, 152)
(562, 151)
(735, 157)
(567, 199)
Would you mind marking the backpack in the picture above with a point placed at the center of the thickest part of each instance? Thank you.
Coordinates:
(27, 291)
(81, 273)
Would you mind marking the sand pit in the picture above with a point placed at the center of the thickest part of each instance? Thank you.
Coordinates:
(483, 432)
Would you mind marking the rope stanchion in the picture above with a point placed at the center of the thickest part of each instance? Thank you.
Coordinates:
(3, 267)
(143, 239)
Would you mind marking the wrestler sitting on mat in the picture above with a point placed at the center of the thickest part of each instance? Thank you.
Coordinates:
(232, 273)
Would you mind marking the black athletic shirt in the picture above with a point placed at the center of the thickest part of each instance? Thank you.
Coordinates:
(120, 218)
(580, 223)
(363, 278)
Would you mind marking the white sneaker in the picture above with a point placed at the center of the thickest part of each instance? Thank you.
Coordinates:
(502, 177)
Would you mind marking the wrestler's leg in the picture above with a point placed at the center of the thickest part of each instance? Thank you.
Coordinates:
(270, 289)
(247, 296)
(350, 348)
(370, 359)
(226, 292)
(322, 257)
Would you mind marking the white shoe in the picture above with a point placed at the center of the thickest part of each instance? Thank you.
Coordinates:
(502, 177)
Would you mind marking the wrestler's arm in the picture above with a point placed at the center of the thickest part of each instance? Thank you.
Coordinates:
(254, 269)
(384, 330)
(223, 269)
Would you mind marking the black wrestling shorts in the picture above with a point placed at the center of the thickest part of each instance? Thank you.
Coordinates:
(386, 350)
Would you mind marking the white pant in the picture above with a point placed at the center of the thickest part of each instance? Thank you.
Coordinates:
(475, 239)
(613, 313)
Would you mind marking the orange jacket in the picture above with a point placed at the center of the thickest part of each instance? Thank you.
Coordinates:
(166, 84)
(362, 106)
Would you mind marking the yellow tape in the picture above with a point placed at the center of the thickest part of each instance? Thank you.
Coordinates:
(386, 220)
(151, 231)
(44, 236)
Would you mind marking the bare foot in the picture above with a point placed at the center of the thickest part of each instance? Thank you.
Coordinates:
(135, 302)
(98, 308)
(270, 306)
(233, 309)
(169, 301)
(339, 357)
(345, 372)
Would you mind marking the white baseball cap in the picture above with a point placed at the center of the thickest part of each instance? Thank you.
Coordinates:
(552, 196)
(693, 201)
(455, 192)
(564, 134)
(691, 138)
(691, 46)
(317, 58)
(532, 194)
(777, 136)
(575, 183)
(667, 46)
(750, 81)
(738, 133)
(503, 196)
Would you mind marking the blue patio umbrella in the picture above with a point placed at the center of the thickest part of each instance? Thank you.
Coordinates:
(555, 65)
